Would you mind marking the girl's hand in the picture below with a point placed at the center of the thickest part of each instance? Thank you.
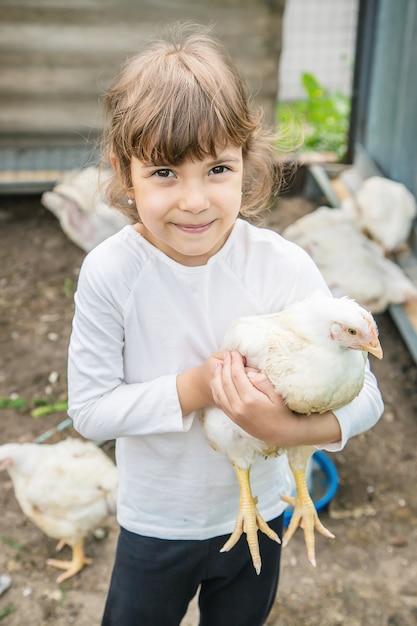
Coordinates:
(250, 400)
(194, 385)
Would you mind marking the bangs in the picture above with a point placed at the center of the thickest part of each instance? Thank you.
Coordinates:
(173, 139)
(188, 112)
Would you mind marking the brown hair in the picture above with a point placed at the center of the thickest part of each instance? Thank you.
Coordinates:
(179, 98)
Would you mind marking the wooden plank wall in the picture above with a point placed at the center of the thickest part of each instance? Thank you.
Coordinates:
(58, 56)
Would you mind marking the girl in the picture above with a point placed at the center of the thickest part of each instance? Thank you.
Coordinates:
(152, 306)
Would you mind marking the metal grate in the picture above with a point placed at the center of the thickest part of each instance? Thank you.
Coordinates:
(35, 169)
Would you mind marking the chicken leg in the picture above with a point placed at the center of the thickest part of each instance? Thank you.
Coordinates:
(305, 514)
(248, 520)
(72, 567)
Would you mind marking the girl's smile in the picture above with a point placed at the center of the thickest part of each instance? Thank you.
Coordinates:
(198, 228)
(188, 211)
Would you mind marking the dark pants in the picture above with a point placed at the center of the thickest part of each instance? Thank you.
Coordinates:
(153, 581)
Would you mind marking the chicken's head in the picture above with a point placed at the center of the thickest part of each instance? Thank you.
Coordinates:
(353, 327)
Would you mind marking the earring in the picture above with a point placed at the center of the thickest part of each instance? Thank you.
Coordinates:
(130, 201)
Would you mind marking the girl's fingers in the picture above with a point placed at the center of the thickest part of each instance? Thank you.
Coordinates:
(218, 389)
(228, 383)
(262, 383)
(235, 389)
(241, 378)
(224, 390)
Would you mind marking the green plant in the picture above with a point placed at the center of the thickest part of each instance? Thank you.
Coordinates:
(39, 407)
(7, 610)
(11, 542)
(319, 122)
(69, 288)
(15, 402)
(48, 409)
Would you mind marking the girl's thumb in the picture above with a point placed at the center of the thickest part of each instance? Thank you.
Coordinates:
(257, 378)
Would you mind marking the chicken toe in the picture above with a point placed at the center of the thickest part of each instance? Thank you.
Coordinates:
(304, 515)
(249, 521)
(71, 567)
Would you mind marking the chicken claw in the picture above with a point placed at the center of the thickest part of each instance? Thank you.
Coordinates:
(249, 521)
(304, 515)
(72, 567)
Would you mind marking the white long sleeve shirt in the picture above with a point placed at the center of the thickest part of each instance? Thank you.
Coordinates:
(140, 319)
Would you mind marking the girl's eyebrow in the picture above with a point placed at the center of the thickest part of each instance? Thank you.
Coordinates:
(225, 157)
(221, 158)
(162, 166)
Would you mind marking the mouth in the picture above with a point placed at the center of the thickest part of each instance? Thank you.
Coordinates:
(194, 228)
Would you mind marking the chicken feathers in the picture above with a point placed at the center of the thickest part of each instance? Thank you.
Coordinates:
(78, 201)
(384, 209)
(315, 354)
(66, 489)
(350, 262)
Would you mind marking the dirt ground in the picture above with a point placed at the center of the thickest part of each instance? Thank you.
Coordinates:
(366, 576)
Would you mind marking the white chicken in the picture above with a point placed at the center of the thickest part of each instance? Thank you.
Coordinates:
(77, 201)
(384, 209)
(67, 489)
(314, 353)
(352, 264)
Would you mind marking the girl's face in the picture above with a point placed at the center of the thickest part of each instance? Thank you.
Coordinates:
(189, 210)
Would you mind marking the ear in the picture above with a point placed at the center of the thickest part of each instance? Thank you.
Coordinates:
(113, 161)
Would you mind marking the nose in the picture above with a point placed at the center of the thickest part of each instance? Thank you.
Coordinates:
(193, 197)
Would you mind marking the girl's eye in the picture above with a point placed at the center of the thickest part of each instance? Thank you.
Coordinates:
(164, 173)
(219, 169)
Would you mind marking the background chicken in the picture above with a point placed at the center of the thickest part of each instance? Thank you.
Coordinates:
(314, 353)
(384, 209)
(67, 489)
(350, 262)
(77, 201)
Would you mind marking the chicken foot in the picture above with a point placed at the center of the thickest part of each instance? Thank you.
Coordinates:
(72, 567)
(304, 514)
(249, 520)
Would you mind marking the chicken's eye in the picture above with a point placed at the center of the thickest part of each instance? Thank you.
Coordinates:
(351, 331)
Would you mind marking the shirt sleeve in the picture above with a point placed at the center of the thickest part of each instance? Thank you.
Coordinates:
(359, 415)
(101, 403)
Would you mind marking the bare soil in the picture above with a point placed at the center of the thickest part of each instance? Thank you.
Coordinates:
(366, 576)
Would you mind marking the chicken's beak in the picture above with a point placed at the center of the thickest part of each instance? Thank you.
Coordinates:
(373, 346)
(375, 349)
